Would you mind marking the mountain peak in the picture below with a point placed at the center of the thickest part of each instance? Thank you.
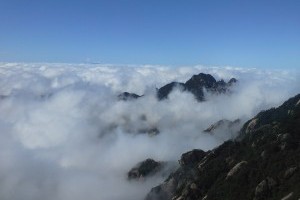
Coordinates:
(196, 84)
(201, 80)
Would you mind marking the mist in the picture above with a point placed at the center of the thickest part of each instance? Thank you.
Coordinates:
(64, 135)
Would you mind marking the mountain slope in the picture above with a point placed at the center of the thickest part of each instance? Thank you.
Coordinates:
(263, 163)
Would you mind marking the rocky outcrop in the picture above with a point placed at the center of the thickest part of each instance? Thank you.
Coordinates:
(261, 164)
(191, 157)
(145, 168)
(236, 168)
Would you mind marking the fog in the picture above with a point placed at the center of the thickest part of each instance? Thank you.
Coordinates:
(64, 135)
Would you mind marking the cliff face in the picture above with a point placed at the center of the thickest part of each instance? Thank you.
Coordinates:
(262, 163)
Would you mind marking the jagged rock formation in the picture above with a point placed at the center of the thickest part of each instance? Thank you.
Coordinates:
(125, 96)
(196, 85)
(261, 164)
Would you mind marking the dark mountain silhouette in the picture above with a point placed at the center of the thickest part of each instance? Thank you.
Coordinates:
(263, 163)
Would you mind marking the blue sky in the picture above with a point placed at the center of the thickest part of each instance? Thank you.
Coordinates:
(256, 33)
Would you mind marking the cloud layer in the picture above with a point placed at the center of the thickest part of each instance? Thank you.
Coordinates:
(65, 136)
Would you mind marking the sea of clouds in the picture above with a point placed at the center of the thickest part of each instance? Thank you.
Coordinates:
(64, 135)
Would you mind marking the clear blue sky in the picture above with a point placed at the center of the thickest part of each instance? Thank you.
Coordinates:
(253, 33)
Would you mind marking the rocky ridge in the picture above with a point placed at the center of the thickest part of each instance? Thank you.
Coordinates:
(262, 163)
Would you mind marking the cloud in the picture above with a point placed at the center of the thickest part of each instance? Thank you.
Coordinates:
(64, 135)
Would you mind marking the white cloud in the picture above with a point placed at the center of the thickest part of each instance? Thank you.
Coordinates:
(64, 135)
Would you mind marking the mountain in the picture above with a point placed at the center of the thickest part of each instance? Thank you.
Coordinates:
(263, 163)
(196, 85)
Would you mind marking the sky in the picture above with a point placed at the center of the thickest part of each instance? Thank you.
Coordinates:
(256, 33)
